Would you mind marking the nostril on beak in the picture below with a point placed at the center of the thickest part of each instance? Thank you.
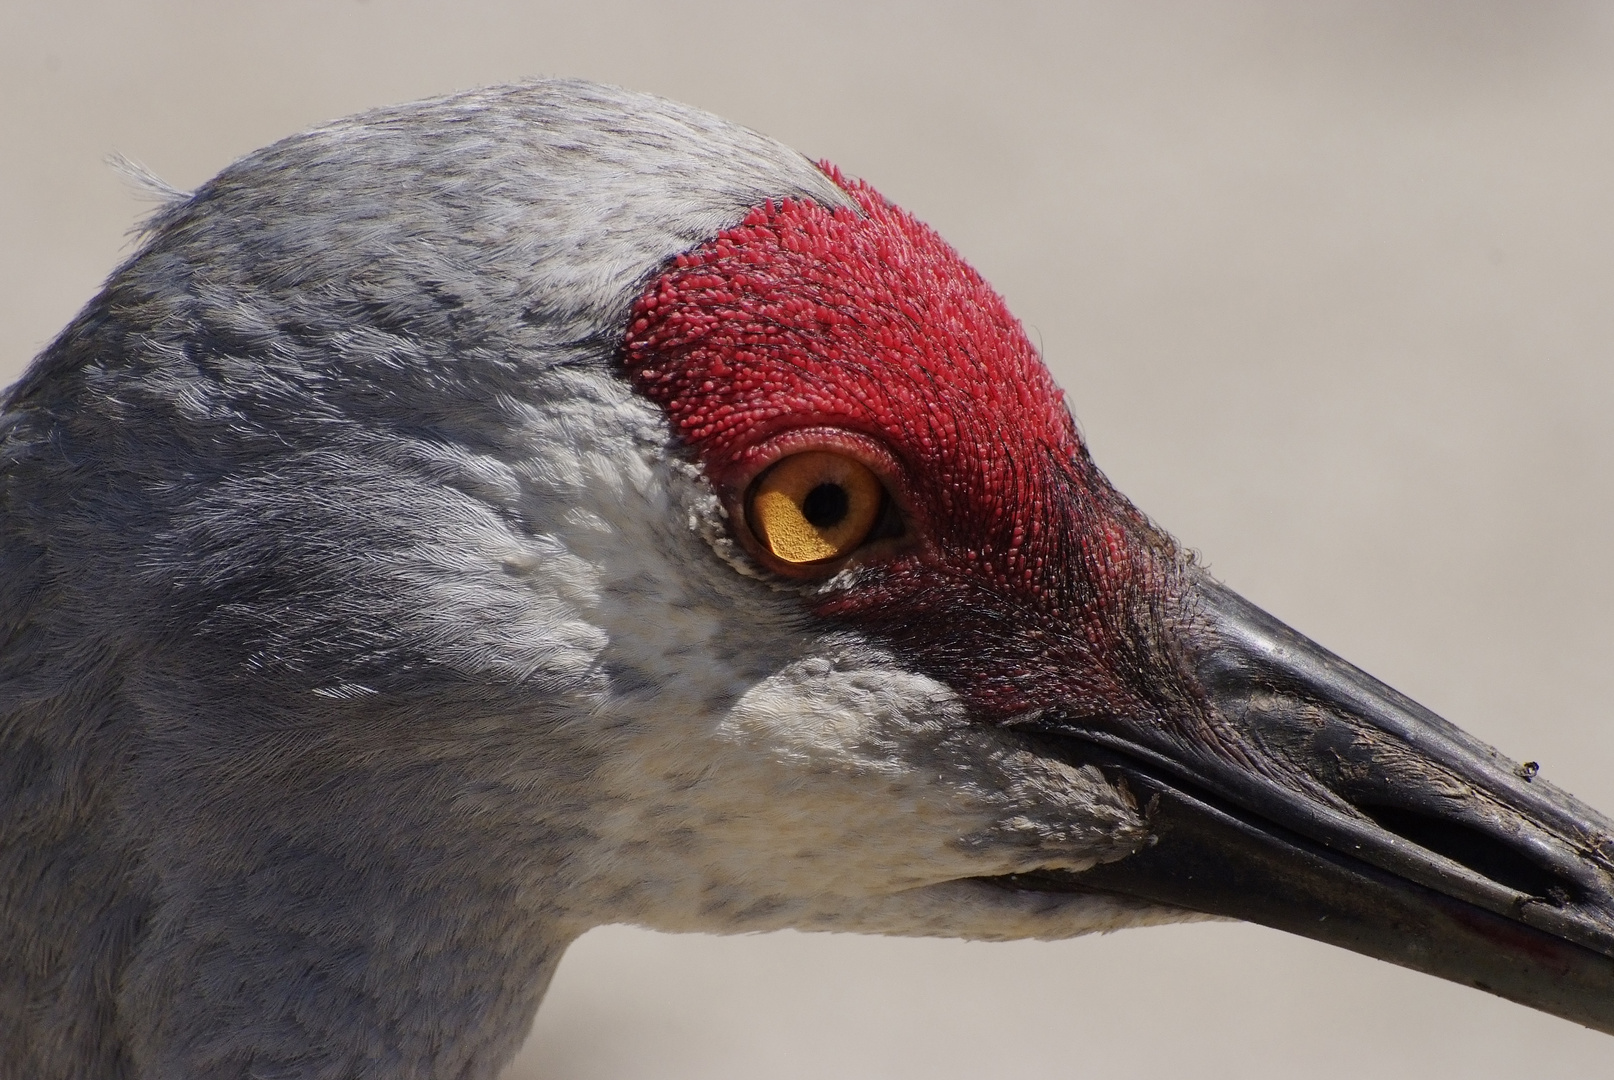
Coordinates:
(1490, 856)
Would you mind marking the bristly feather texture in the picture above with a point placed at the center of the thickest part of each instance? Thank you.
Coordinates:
(365, 636)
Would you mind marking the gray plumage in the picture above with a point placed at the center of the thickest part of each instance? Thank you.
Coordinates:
(336, 568)
(271, 692)
(365, 637)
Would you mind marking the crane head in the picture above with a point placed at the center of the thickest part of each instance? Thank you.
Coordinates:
(480, 520)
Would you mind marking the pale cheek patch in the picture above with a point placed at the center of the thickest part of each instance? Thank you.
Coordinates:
(825, 713)
(834, 787)
(1003, 807)
(803, 795)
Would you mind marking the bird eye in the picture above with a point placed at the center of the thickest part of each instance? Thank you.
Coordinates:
(815, 506)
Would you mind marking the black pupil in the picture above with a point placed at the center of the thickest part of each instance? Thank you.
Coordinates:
(826, 505)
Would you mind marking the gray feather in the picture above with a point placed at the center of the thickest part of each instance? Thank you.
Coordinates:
(259, 524)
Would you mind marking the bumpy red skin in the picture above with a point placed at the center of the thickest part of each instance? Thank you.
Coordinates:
(1032, 582)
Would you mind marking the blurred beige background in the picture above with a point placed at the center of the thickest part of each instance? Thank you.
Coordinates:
(1332, 288)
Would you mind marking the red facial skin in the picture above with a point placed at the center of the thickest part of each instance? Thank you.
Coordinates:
(1026, 580)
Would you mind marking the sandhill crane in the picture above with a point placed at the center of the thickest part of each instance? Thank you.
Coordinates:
(487, 518)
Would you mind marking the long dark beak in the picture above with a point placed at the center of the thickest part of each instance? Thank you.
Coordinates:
(1310, 797)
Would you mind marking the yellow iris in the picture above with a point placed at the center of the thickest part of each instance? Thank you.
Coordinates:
(815, 506)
